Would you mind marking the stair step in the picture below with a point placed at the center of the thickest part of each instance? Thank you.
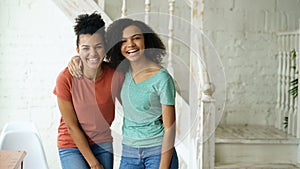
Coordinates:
(256, 166)
(254, 145)
(253, 135)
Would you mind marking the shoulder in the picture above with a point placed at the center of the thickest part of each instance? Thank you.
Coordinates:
(63, 80)
(63, 85)
(164, 74)
(65, 74)
(112, 72)
(165, 79)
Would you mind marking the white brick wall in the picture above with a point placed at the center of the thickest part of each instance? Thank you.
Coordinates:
(244, 33)
(36, 41)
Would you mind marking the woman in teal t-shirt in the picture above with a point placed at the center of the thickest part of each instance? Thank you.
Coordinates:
(148, 96)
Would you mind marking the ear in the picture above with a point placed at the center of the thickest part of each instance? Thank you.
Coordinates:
(77, 50)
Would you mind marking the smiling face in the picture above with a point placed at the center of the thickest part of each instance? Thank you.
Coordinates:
(91, 50)
(133, 45)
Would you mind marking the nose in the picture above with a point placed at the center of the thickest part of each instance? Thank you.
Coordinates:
(130, 43)
(93, 51)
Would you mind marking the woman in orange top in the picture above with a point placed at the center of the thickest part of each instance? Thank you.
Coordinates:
(87, 104)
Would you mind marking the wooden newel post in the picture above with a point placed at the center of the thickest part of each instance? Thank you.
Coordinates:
(205, 131)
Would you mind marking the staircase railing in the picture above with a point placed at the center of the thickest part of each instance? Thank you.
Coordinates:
(288, 109)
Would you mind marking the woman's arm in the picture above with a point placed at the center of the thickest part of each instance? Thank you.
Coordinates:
(69, 116)
(169, 121)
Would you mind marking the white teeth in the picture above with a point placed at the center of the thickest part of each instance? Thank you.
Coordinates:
(132, 51)
(94, 59)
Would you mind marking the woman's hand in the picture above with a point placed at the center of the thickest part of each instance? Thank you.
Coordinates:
(97, 166)
(75, 67)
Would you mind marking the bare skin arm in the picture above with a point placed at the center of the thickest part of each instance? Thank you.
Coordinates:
(69, 116)
(75, 67)
(169, 121)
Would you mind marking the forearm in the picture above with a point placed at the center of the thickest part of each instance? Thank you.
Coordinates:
(166, 159)
(83, 145)
(169, 122)
(167, 148)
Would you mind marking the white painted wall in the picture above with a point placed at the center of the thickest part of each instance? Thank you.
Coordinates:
(36, 41)
(244, 33)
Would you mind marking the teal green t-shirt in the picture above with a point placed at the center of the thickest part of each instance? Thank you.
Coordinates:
(142, 122)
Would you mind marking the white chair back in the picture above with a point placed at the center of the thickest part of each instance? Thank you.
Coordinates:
(23, 135)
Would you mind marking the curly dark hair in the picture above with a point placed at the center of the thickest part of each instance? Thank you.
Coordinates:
(156, 49)
(89, 24)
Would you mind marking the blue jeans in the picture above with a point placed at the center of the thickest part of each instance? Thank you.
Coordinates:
(144, 158)
(71, 158)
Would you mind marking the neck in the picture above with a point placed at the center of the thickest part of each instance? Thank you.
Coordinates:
(140, 65)
(143, 66)
(93, 74)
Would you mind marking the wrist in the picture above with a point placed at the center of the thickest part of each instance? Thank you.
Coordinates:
(93, 163)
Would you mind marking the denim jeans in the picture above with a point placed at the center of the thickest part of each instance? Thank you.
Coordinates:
(71, 158)
(144, 158)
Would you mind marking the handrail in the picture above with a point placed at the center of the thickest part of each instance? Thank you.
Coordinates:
(74, 7)
(289, 32)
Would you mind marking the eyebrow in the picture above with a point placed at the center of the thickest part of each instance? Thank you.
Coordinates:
(83, 45)
(139, 34)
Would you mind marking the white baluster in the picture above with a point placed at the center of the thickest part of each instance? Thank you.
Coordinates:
(170, 41)
(297, 43)
(124, 9)
(298, 63)
(286, 79)
(295, 39)
(291, 77)
(283, 89)
(282, 114)
(287, 82)
(279, 87)
(147, 10)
